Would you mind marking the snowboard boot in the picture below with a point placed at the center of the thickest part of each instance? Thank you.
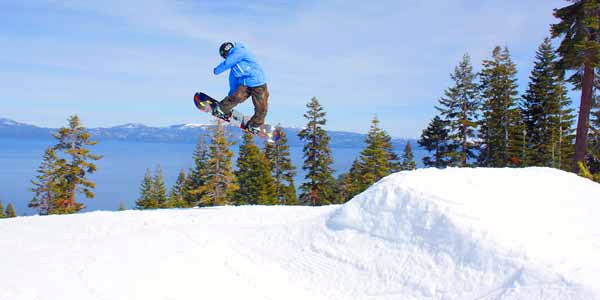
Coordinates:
(219, 113)
(256, 130)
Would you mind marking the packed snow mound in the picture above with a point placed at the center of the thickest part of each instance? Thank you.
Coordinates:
(529, 233)
(427, 234)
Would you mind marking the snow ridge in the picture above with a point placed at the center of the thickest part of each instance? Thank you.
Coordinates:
(473, 241)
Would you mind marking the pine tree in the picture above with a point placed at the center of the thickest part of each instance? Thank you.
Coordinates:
(546, 113)
(350, 184)
(408, 158)
(10, 211)
(256, 185)
(319, 187)
(377, 159)
(146, 199)
(579, 27)
(564, 152)
(501, 126)
(220, 181)
(47, 187)
(592, 158)
(197, 175)
(2, 215)
(517, 147)
(536, 104)
(75, 166)
(282, 169)
(458, 108)
(177, 193)
(159, 190)
(435, 138)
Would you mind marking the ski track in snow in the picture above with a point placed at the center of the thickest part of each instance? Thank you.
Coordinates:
(425, 234)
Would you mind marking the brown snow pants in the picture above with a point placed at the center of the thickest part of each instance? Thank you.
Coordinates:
(260, 97)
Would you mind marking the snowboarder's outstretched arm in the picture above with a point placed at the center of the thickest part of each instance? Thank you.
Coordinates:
(229, 62)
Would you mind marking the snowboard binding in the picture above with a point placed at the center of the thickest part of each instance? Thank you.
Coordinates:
(219, 113)
(254, 130)
(208, 104)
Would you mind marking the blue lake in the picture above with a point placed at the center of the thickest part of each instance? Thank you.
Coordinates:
(121, 170)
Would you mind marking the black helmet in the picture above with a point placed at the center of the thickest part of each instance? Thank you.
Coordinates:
(224, 49)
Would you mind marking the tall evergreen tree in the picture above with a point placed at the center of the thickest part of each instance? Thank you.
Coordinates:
(408, 158)
(564, 152)
(10, 211)
(177, 193)
(282, 169)
(75, 165)
(459, 108)
(2, 215)
(256, 185)
(350, 184)
(377, 159)
(435, 138)
(198, 174)
(546, 114)
(147, 199)
(47, 187)
(159, 190)
(592, 161)
(501, 124)
(319, 187)
(579, 27)
(517, 147)
(220, 181)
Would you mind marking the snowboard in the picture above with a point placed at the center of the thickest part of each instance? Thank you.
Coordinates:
(208, 104)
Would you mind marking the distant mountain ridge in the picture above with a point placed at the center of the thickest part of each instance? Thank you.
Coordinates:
(13, 129)
(182, 133)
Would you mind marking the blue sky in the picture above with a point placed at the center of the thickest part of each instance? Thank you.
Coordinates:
(115, 62)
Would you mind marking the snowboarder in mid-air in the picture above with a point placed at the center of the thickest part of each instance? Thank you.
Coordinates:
(246, 78)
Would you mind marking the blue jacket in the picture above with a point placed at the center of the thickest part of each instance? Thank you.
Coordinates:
(244, 68)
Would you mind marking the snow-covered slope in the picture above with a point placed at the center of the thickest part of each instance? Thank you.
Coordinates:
(427, 234)
(486, 233)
